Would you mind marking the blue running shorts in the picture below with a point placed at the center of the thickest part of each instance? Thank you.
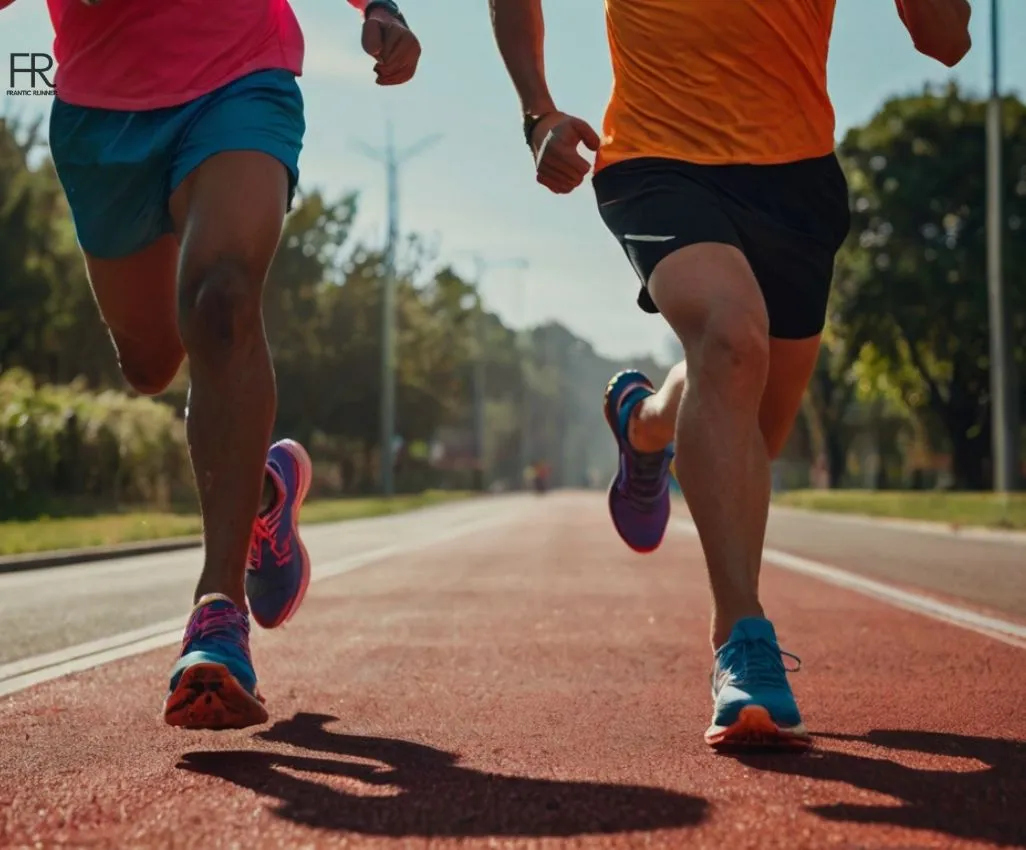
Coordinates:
(119, 169)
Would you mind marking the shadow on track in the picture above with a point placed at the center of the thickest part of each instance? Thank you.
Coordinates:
(416, 790)
(976, 804)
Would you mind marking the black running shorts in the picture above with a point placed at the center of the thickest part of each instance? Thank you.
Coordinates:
(789, 221)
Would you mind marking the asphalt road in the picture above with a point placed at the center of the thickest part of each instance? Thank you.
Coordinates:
(989, 574)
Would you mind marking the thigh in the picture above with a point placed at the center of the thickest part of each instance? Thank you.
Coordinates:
(654, 208)
(136, 298)
(218, 224)
(136, 294)
(709, 296)
(235, 174)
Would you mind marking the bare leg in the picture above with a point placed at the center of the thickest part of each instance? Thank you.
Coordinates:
(791, 362)
(136, 297)
(228, 239)
(710, 297)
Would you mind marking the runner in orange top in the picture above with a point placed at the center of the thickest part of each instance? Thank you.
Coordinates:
(715, 172)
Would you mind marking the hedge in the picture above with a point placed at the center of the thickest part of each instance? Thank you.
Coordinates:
(61, 444)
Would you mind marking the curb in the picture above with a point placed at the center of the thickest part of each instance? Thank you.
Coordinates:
(66, 557)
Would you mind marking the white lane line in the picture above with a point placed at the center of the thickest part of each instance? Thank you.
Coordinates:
(87, 662)
(72, 654)
(26, 672)
(992, 627)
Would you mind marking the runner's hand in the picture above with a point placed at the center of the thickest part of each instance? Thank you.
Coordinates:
(394, 46)
(554, 141)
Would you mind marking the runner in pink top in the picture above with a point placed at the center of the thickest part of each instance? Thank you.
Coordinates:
(176, 131)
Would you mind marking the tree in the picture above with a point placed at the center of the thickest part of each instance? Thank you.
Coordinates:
(912, 280)
(48, 320)
(827, 403)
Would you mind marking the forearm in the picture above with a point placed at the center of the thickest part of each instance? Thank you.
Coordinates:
(939, 28)
(520, 32)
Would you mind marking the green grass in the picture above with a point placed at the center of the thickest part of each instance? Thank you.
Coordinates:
(960, 509)
(46, 534)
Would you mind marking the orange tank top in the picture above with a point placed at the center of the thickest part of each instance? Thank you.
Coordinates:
(718, 81)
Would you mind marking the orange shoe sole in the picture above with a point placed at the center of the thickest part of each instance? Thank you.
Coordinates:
(208, 696)
(755, 729)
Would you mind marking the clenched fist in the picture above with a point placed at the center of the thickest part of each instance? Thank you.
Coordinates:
(392, 44)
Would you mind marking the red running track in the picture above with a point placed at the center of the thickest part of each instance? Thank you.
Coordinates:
(535, 685)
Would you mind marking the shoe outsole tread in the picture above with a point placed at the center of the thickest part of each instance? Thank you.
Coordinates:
(208, 696)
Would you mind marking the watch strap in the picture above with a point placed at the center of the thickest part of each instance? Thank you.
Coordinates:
(389, 6)
(531, 120)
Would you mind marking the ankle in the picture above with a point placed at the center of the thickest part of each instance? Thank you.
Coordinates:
(234, 591)
(724, 622)
(647, 429)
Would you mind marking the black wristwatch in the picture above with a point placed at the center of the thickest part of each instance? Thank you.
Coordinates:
(530, 122)
(389, 6)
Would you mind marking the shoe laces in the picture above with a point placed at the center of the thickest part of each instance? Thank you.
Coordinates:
(266, 537)
(755, 662)
(647, 481)
(222, 621)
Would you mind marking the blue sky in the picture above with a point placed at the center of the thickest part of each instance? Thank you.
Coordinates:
(475, 192)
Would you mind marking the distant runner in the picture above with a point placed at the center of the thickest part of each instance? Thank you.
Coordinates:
(715, 172)
(176, 131)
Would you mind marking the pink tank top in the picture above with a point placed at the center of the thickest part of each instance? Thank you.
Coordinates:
(147, 54)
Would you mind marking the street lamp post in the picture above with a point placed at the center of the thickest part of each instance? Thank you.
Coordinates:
(1004, 426)
(392, 161)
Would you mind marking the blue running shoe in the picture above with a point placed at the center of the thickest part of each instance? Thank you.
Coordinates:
(278, 571)
(639, 495)
(752, 701)
(213, 685)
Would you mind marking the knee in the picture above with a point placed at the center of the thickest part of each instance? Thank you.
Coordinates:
(219, 311)
(149, 369)
(733, 356)
(153, 377)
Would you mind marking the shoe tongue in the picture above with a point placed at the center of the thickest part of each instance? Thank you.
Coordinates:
(753, 628)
